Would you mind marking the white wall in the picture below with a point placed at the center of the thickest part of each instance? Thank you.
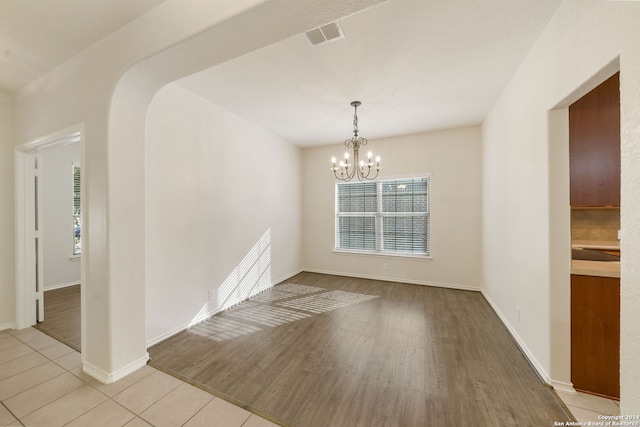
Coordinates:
(108, 88)
(81, 91)
(7, 283)
(525, 194)
(56, 180)
(630, 213)
(223, 210)
(453, 157)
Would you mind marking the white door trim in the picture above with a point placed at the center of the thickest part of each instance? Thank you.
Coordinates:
(25, 161)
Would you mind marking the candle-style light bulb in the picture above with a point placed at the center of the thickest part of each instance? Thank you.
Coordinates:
(333, 160)
(378, 159)
(346, 156)
(369, 154)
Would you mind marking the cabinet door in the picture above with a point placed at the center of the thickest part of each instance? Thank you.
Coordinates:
(595, 335)
(594, 146)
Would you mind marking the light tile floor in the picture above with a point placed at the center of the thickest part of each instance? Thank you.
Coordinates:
(42, 384)
(586, 407)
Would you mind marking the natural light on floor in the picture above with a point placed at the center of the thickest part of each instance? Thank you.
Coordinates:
(283, 304)
(327, 301)
(268, 316)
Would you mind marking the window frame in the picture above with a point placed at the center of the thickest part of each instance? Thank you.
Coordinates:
(379, 222)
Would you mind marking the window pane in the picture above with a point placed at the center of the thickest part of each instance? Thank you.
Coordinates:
(357, 197)
(405, 234)
(358, 233)
(405, 195)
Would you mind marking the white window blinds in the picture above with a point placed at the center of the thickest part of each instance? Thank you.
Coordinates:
(77, 217)
(389, 216)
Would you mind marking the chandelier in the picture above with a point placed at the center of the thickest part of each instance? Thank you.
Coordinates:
(361, 169)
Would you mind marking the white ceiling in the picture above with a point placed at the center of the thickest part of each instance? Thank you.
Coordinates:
(416, 65)
(38, 35)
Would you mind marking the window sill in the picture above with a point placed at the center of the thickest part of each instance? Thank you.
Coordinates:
(74, 258)
(385, 254)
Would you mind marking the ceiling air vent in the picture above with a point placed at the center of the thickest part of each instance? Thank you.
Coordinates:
(325, 33)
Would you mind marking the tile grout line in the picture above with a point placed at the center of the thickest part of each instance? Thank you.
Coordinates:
(145, 409)
(21, 372)
(589, 409)
(112, 398)
(55, 400)
(75, 376)
(583, 408)
(31, 388)
(12, 414)
(201, 409)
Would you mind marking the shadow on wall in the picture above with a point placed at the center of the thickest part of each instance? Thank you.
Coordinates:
(250, 277)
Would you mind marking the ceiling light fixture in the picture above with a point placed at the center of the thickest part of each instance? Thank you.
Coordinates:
(359, 168)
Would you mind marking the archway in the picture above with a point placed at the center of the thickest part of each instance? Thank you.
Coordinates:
(114, 342)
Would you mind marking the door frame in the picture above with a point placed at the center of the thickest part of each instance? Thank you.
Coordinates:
(25, 250)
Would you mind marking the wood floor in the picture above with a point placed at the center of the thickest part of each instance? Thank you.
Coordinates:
(62, 315)
(334, 351)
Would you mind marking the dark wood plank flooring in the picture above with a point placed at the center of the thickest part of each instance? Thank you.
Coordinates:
(62, 315)
(400, 355)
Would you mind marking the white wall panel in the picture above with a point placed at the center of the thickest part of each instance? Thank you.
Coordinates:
(222, 210)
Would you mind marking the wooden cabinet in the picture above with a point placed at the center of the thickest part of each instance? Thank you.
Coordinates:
(594, 146)
(595, 335)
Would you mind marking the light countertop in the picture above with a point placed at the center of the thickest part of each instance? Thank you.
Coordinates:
(595, 268)
(611, 245)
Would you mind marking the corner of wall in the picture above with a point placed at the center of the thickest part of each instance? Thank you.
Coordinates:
(537, 366)
(7, 204)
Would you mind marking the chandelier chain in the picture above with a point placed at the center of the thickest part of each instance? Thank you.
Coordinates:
(355, 121)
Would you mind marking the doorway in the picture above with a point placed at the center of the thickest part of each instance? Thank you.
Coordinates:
(594, 147)
(48, 225)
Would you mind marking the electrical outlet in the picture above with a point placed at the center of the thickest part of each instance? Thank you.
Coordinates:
(385, 266)
(518, 312)
(212, 295)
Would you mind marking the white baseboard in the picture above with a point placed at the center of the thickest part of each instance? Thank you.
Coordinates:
(286, 277)
(563, 386)
(520, 342)
(108, 378)
(205, 315)
(61, 285)
(202, 316)
(171, 333)
(8, 325)
(391, 279)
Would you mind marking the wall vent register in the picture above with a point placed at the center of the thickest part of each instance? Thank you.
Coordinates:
(328, 32)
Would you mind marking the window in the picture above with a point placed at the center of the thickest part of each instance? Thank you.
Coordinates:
(77, 217)
(388, 217)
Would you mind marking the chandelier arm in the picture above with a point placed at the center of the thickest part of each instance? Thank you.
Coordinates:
(343, 171)
(369, 172)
